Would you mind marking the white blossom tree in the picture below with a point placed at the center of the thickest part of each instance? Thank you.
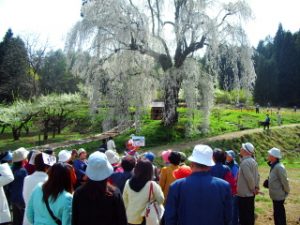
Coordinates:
(167, 31)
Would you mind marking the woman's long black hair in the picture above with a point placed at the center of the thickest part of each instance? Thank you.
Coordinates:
(59, 180)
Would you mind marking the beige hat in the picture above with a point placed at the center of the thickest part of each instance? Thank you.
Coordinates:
(81, 150)
(19, 154)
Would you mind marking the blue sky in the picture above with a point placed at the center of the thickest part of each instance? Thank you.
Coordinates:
(52, 19)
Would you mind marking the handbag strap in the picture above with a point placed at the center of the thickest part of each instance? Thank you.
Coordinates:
(57, 221)
(150, 191)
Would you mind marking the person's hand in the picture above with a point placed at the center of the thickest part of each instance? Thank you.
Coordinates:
(256, 191)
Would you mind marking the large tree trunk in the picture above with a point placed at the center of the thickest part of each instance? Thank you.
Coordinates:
(171, 97)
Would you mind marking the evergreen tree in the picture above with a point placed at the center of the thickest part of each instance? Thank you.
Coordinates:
(54, 74)
(278, 70)
(14, 79)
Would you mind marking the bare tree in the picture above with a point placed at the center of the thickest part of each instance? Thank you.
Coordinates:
(168, 31)
(36, 50)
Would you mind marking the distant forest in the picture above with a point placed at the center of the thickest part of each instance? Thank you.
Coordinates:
(277, 66)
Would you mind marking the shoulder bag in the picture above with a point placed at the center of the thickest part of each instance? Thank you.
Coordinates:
(153, 211)
(57, 221)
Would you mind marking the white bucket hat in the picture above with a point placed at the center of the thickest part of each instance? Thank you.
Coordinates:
(19, 154)
(275, 152)
(98, 167)
(202, 154)
(112, 156)
(64, 156)
(248, 147)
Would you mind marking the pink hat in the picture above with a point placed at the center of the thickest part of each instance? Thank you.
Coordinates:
(182, 172)
(165, 155)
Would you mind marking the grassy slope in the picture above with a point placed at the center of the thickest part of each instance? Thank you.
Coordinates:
(286, 139)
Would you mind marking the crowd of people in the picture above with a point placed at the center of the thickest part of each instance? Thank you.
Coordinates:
(208, 187)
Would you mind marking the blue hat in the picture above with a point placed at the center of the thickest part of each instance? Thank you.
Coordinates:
(231, 153)
(7, 156)
(98, 167)
(150, 156)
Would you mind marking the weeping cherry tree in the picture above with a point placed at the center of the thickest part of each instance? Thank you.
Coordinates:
(167, 32)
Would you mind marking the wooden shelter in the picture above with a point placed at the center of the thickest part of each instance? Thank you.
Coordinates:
(157, 109)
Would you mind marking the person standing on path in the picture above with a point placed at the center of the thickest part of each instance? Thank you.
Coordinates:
(247, 184)
(267, 122)
(111, 144)
(199, 199)
(278, 185)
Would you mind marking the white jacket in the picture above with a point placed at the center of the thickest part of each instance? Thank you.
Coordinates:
(6, 176)
(111, 145)
(30, 183)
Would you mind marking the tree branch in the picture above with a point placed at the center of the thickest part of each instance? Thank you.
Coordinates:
(152, 17)
(224, 17)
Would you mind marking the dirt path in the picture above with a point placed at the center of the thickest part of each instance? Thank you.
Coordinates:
(179, 146)
(237, 134)
(98, 137)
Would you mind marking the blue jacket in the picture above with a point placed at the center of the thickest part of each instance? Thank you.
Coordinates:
(16, 187)
(199, 199)
(119, 179)
(37, 213)
(80, 168)
(219, 170)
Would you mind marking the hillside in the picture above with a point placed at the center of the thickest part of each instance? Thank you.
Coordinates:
(287, 138)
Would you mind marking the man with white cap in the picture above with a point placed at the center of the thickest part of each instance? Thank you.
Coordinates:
(278, 185)
(199, 199)
(247, 184)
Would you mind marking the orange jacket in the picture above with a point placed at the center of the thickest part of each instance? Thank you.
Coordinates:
(166, 178)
